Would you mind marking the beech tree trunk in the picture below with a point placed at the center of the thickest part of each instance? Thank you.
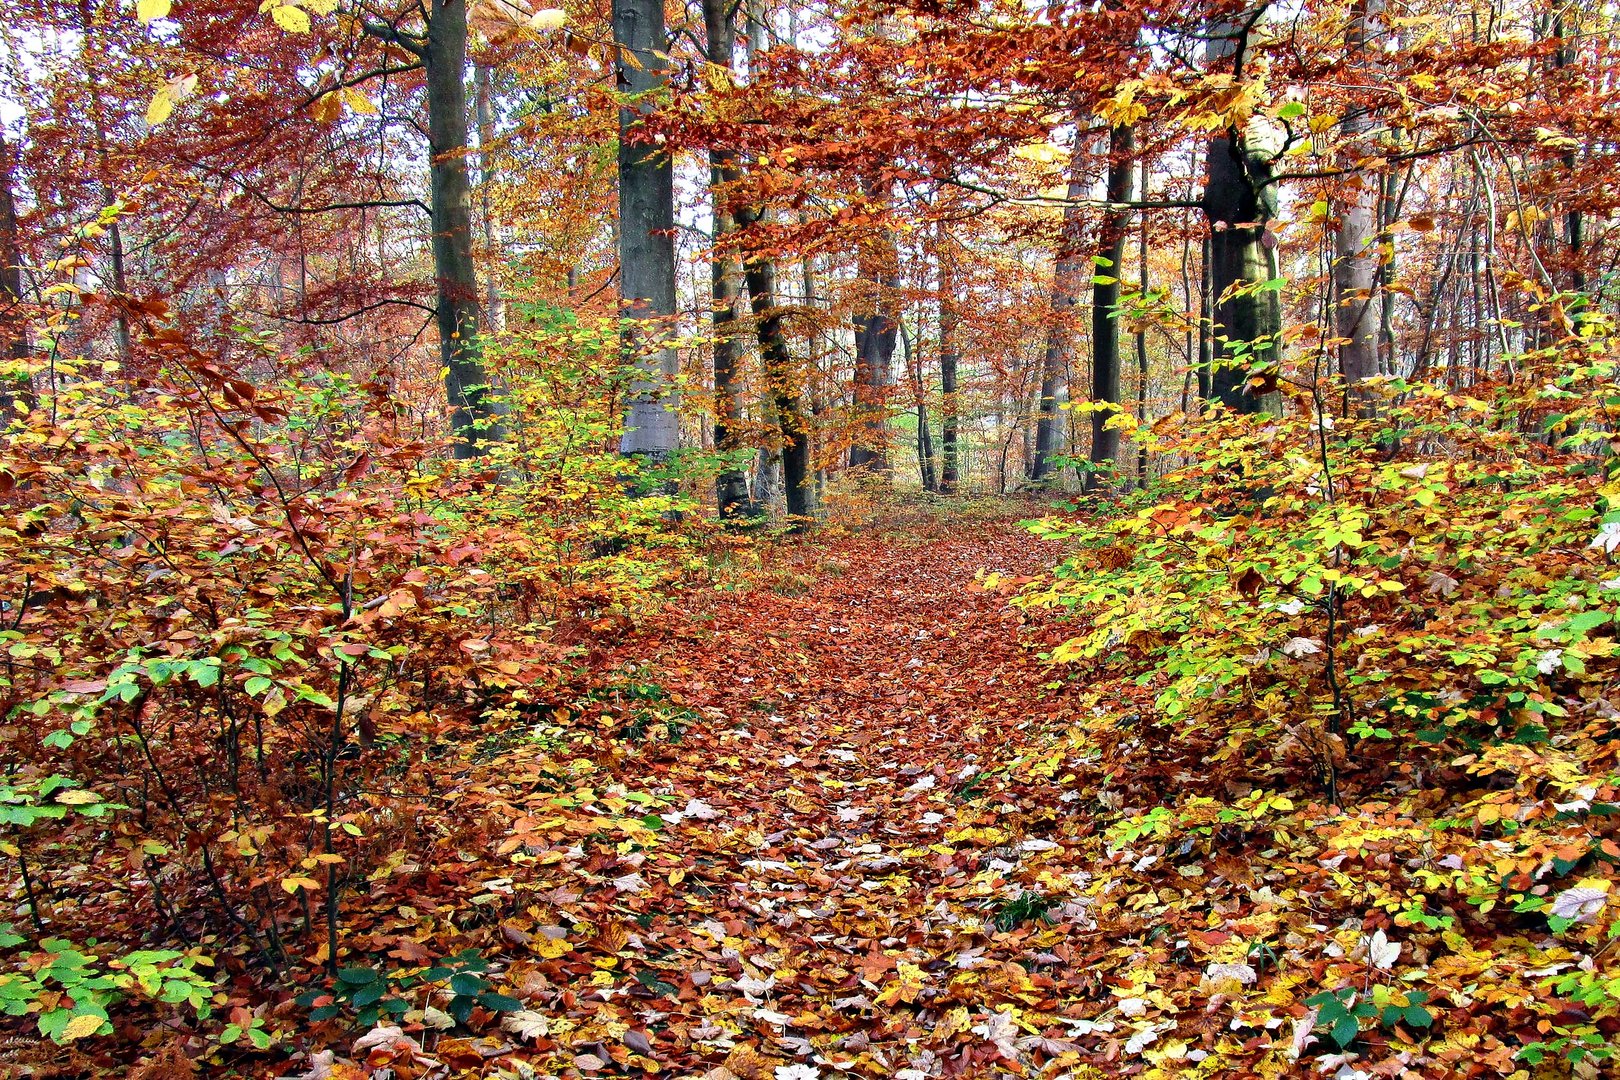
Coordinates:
(1239, 201)
(474, 410)
(1104, 298)
(1066, 279)
(949, 465)
(646, 231)
(1355, 266)
(731, 485)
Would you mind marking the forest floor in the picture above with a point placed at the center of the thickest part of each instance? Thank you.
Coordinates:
(835, 871)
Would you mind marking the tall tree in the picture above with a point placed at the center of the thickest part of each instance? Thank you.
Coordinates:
(1355, 266)
(441, 50)
(731, 484)
(876, 334)
(646, 228)
(1067, 270)
(949, 360)
(14, 388)
(1239, 201)
(1105, 362)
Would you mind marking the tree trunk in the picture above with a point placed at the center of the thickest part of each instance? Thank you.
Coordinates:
(646, 231)
(483, 110)
(15, 388)
(1239, 201)
(1104, 298)
(783, 384)
(919, 402)
(474, 410)
(1066, 276)
(1141, 344)
(731, 486)
(1355, 267)
(950, 465)
(876, 329)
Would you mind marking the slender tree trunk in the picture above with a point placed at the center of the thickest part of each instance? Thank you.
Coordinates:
(474, 409)
(1067, 271)
(1574, 224)
(1104, 298)
(949, 434)
(1239, 201)
(1206, 326)
(1141, 342)
(731, 486)
(919, 402)
(1355, 266)
(646, 231)
(15, 389)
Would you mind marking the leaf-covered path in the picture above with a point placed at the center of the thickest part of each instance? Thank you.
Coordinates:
(834, 882)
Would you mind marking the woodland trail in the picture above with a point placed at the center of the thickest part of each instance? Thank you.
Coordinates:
(841, 856)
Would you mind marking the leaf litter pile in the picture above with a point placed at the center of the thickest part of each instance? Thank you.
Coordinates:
(849, 821)
(844, 818)
(812, 860)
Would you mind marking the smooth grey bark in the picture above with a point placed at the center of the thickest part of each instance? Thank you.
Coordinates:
(646, 230)
(1105, 363)
(731, 485)
(1355, 265)
(1067, 270)
(1239, 201)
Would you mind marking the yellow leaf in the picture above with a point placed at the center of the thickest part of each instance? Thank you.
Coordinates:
(292, 19)
(548, 19)
(298, 881)
(358, 102)
(151, 10)
(551, 948)
(160, 108)
(80, 1026)
(77, 797)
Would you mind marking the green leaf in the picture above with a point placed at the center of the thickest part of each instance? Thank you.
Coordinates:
(1345, 1031)
(1291, 110)
(465, 982)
